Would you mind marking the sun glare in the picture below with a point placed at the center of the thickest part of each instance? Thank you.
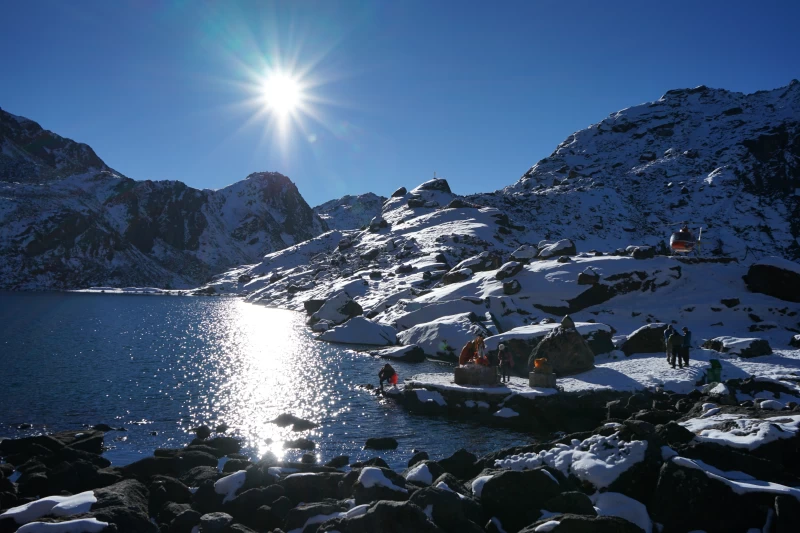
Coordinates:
(282, 94)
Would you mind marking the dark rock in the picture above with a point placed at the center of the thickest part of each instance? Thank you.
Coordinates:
(462, 464)
(215, 522)
(202, 432)
(185, 522)
(399, 192)
(366, 494)
(566, 351)
(456, 276)
(375, 461)
(164, 489)
(647, 339)
(729, 302)
(687, 499)
(571, 503)
(312, 488)
(300, 444)
(386, 517)
(436, 184)
(787, 513)
(511, 287)
(508, 270)
(297, 517)
(312, 306)
(185, 461)
(102, 427)
(459, 203)
(299, 424)
(338, 462)
(757, 347)
(585, 278)
(281, 507)
(124, 504)
(198, 474)
(795, 342)
(641, 252)
(657, 416)
(586, 524)
(234, 465)
(308, 459)
(445, 508)
(224, 445)
(404, 269)
(778, 282)
(381, 443)
(148, 467)
(509, 496)
(418, 457)
(674, 434)
(564, 259)
(243, 508)
(170, 511)
(33, 485)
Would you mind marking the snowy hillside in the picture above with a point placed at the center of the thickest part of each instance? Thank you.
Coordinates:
(70, 221)
(350, 212)
(726, 161)
(584, 233)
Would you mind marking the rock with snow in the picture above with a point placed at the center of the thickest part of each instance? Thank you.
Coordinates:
(511, 287)
(641, 252)
(795, 341)
(379, 484)
(350, 212)
(743, 347)
(646, 339)
(549, 249)
(455, 276)
(454, 330)
(399, 193)
(424, 472)
(408, 354)
(337, 309)
(508, 270)
(525, 253)
(566, 351)
(482, 262)
(776, 277)
(79, 525)
(360, 330)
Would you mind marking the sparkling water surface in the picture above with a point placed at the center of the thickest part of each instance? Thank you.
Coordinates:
(160, 365)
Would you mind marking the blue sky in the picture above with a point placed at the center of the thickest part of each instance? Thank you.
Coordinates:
(476, 91)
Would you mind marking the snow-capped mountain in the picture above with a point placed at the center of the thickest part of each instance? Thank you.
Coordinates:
(350, 212)
(70, 221)
(724, 161)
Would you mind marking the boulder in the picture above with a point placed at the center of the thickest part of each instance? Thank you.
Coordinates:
(477, 375)
(795, 341)
(417, 457)
(124, 504)
(455, 330)
(436, 184)
(462, 465)
(361, 330)
(379, 484)
(687, 499)
(337, 309)
(215, 522)
(424, 472)
(446, 509)
(399, 193)
(549, 249)
(483, 262)
(571, 503)
(298, 424)
(775, 276)
(311, 487)
(641, 252)
(407, 354)
(300, 444)
(729, 302)
(387, 516)
(377, 223)
(511, 287)
(647, 339)
(588, 277)
(340, 461)
(524, 253)
(508, 270)
(456, 276)
(566, 350)
(514, 497)
(743, 347)
(381, 443)
(297, 517)
(572, 523)
(312, 306)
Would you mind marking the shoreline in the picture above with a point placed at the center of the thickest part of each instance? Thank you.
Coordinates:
(628, 470)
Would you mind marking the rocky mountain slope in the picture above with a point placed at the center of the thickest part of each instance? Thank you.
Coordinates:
(724, 161)
(70, 221)
(584, 232)
(350, 212)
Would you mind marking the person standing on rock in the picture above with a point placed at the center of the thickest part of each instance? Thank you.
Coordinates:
(506, 362)
(686, 346)
(667, 332)
(388, 375)
(674, 345)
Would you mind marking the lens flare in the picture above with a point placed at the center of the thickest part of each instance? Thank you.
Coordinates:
(282, 93)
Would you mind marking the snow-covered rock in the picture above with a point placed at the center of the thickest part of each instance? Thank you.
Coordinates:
(360, 330)
(408, 354)
(350, 212)
(743, 347)
(444, 337)
(553, 249)
(775, 276)
(337, 309)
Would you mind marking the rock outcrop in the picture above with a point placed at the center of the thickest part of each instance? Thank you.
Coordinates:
(566, 350)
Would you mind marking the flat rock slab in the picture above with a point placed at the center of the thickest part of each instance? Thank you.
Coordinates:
(475, 375)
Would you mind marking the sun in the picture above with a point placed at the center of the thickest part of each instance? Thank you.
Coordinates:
(282, 94)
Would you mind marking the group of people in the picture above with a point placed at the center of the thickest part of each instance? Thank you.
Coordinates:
(678, 346)
(474, 352)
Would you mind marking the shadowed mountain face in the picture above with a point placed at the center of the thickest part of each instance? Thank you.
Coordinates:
(70, 221)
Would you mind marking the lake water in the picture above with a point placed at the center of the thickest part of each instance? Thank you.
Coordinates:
(160, 365)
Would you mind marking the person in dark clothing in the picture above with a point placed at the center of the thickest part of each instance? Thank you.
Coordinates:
(388, 375)
(674, 344)
(506, 362)
(667, 332)
(686, 345)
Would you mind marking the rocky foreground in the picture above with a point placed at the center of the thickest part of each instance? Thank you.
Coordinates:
(647, 461)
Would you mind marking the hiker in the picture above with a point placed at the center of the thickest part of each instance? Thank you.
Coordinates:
(506, 362)
(667, 332)
(467, 352)
(686, 346)
(388, 375)
(674, 349)
(444, 348)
